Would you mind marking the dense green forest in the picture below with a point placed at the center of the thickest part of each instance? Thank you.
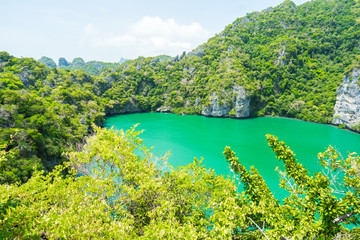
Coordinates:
(290, 60)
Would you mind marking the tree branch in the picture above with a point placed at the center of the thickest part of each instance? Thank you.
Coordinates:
(343, 217)
(261, 230)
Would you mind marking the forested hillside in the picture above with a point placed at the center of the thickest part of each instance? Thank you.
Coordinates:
(285, 61)
(43, 111)
(290, 59)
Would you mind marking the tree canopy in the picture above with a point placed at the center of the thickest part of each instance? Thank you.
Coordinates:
(112, 187)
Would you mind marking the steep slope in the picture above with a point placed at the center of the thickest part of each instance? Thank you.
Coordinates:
(289, 60)
(347, 107)
(43, 112)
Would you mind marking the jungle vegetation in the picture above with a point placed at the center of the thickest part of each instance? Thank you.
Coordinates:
(290, 59)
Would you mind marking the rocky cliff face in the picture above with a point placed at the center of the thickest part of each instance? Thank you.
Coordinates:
(242, 102)
(164, 109)
(215, 109)
(241, 108)
(130, 107)
(234, 103)
(347, 107)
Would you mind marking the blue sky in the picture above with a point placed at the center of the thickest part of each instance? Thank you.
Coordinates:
(108, 30)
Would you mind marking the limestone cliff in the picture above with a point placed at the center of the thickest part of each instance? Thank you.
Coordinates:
(347, 107)
(240, 100)
(130, 107)
(215, 109)
(164, 109)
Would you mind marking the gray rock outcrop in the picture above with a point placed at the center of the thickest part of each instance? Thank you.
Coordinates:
(63, 62)
(242, 102)
(49, 62)
(122, 60)
(282, 59)
(25, 77)
(241, 108)
(164, 109)
(215, 109)
(347, 107)
(130, 107)
(197, 52)
(78, 62)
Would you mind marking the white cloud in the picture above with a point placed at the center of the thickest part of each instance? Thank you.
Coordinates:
(150, 26)
(90, 30)
(148, 37)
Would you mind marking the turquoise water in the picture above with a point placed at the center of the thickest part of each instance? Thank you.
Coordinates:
(197, 136)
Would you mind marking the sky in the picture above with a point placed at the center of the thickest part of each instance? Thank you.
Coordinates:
(108, 30)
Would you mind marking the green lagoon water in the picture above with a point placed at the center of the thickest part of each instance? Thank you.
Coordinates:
(197, 136)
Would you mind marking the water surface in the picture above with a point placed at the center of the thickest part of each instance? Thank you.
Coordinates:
(197, 136)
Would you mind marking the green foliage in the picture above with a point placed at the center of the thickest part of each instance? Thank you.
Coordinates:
(42, 113)
(119, 195)
(14, 168)
(342, 126)
(4, 56)
(114, 187)
(314, 207)
(91, 67)
(290, 59)
(11, 81)
(49, 62)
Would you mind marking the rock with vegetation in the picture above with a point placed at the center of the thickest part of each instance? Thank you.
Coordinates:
(78, 62)
(91, 67)
(215, 108)
(49, 62)
(242, 102)
(347, 107)
(63, 62)
(122, 60)
(238, 107)
(287, 60)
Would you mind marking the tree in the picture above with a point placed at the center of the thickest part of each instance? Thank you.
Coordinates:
(114, 187)
(313, 209)
(119, 192)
